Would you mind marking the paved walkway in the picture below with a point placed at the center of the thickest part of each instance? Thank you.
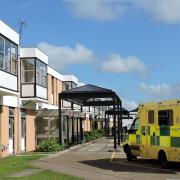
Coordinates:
(25, 173)
(97, 160)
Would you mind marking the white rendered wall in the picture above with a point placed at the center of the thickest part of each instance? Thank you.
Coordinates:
(8, 81)
(70, 78)
(9, 32)
(41, 92)
(27, 90)
(33, 52)
(11, 101)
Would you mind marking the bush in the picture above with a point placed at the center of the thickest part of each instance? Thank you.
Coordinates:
(50, 145)
(92, 135)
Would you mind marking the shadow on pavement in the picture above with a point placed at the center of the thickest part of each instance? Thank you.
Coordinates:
(122, 165)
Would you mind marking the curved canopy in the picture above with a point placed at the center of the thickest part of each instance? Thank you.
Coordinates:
(123, 111)
(91, 95)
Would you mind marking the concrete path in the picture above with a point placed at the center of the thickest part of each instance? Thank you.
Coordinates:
(25, 173)
(97, 160)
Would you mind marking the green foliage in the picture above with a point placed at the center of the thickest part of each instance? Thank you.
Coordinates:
(50, 145)
(95, 134)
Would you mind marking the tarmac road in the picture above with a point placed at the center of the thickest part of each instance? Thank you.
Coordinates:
(97, 160)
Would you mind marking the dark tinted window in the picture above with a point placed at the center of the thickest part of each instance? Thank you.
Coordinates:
(165, 117)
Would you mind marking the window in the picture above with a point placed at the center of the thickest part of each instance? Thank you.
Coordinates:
(67, 85)
(14, 57)
(27, 73)
(1, 45)
(135, 125)
(8, 56)
(11, 123)
(165, 118)
(23, 124)
(52, 84)
(41, 73)
(150, 117)
(74, 85)
(1, 60)
(1, 52)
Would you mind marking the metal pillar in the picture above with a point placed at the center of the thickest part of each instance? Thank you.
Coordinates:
(105, 125)
(81, 127)
(114, 122)
(68, 131)
(121, 129)
(77, 130)
(72, 129)
(72, 108)
(81, 130)
(60, 121)
(108, 125)
(118, 124)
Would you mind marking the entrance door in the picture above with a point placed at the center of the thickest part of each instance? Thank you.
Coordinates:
(11, 130)
(23, 131)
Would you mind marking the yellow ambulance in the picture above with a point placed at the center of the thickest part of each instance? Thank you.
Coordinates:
(155, 133)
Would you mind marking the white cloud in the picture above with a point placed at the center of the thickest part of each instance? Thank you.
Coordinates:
(64, 55)
(161, 91)
(99, 10)
(119, 64)
(130, 105)
(161, 10)
(108, 10)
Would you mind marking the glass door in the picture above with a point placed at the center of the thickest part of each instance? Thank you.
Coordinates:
(11, 130)
(23, 131)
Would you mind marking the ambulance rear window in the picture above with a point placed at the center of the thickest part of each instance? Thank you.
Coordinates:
(165, 117)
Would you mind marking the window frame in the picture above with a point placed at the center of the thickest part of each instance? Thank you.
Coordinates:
(23, 71)
(7, 61)
(41, 73)
(170, 116)
(133, 125)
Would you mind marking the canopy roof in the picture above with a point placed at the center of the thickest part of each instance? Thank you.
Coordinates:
(90, 95)
(123, 111)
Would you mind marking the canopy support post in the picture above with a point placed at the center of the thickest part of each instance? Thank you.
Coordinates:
(72, 108)
(121, 128)
(77, 130)
(114, 123)
(81, 127)
(118, 123)
(60, 121)
(68, 131)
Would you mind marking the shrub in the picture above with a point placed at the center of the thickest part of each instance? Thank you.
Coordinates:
(92, 135)
(50, 145)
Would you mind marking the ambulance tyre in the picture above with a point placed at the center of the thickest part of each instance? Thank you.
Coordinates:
(163, 159)
(129, 154)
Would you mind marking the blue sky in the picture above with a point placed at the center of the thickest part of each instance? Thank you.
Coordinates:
(131, 47)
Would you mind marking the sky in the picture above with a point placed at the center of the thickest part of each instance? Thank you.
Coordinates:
(132, 47)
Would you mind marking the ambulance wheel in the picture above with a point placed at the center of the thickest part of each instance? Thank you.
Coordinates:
(129, 154)
(163, 159)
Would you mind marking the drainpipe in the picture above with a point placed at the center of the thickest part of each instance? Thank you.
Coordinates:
(19, 126)
(19, 105)
(22, 24)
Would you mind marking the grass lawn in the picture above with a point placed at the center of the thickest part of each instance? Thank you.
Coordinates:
(11, 165)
